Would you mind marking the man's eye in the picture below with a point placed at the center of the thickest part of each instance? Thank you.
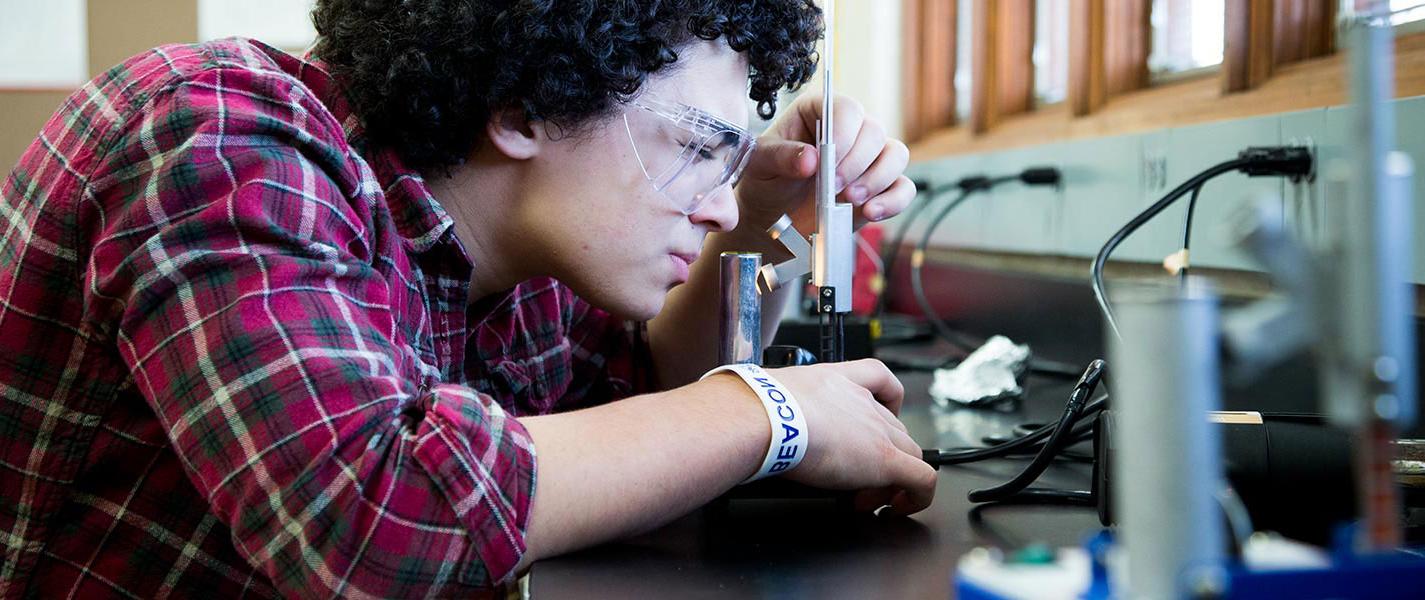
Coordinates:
(705, 153)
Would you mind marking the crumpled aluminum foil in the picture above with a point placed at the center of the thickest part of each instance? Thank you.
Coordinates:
(988, 375)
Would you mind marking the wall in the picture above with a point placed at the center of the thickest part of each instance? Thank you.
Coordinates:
(1108, 180)
(868, 58)
(117, 29)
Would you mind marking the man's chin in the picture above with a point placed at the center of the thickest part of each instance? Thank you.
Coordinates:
(642, 308)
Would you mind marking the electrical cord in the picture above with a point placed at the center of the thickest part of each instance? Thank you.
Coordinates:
(892, 252)
(1028, 497)
(958, 456)
(967, 185)
(1187, 235)
(1280, 161)
(1096, 271)
(960, 340)
(965, 342)
(1073, 410)
(1079, 431)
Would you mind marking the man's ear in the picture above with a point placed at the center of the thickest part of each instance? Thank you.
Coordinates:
(514, 135)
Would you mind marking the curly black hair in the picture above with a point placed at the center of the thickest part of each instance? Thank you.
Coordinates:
(423, 76)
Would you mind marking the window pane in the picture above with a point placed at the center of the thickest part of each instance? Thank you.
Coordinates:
(43, 44)
(1051, 50)
(285, 24)
(1406, 11)
(1402, 11)
(964, 32)
(1187, 35)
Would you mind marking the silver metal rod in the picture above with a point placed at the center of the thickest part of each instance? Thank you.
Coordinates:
(740, 309)
(1165, 381)
(1370, 377)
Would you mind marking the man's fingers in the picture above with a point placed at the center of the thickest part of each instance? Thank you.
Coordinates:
(916, 479)
(890, 202)
(852, 170)
(873, 375)
(872, 499)
(781, 158)
(846, 117)
(878, 176)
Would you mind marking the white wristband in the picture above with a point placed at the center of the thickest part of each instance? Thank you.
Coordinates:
(789, 425)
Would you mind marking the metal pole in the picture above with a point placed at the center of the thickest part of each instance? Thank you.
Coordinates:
(740, 309)
(1165, 381)
(1369, 379)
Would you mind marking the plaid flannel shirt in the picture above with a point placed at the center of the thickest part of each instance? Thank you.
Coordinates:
(238, 357)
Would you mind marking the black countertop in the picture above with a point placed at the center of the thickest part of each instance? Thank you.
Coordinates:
(815, 549)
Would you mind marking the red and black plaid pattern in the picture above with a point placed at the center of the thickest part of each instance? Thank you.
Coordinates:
(238, 357)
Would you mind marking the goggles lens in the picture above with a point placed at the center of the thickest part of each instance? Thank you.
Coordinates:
(686, 153)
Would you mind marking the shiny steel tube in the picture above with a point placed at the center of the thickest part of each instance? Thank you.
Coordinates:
(739, 309)
(1165, 381)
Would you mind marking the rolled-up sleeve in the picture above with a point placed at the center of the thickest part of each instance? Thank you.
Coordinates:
(259, 320)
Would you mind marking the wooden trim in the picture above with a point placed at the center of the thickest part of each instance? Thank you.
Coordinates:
(1289, 18)
(1248, 44)
(1320, 32)
(912, 89)
(1128, 34)
(929, 66)
(938, 104)
(1087, 80)
(1303, 29)
(984, 74)
(1016, 56)
(1311, 83)
(1002, 52)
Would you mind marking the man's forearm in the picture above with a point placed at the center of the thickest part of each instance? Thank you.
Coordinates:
(628, 466)
(684, 336)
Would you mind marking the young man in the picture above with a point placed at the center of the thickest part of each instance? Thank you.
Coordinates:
(318, 327)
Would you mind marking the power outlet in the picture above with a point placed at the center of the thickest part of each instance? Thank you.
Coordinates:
(1155, 172)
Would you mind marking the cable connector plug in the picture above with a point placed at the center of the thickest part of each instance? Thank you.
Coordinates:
(1295, 162)
(1041, 176)
(974, 182)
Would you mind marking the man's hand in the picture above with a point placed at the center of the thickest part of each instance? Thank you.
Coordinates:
(781, 175)
(857, 441)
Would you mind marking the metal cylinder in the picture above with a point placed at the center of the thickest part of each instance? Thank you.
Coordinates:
(1165, 380)
(740, 309)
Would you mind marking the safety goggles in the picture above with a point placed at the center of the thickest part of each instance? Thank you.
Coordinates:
(686, 153)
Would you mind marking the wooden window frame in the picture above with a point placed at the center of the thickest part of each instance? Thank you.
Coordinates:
(1109, 85)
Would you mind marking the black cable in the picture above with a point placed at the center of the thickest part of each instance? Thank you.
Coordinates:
(1073, 409)
(1096, 272)
(917, 285)
(1028, 497)
(891, 253)
(1278, 161)
(957, 456)
(1049, 496)
(965, 342)
(1187, 234)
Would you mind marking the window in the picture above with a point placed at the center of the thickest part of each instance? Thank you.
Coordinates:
(1406, 11)
(43, 44)
(964, 41)
(1051, 51)
(1187, 36)
(286, 24)
(1401, 11)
